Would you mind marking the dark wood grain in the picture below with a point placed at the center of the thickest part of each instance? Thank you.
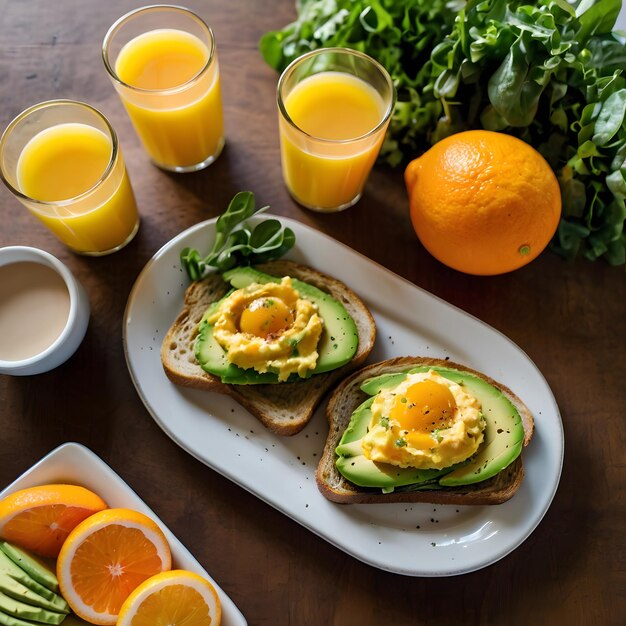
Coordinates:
(568, 317)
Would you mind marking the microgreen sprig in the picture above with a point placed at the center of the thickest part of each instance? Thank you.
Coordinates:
(237, 242)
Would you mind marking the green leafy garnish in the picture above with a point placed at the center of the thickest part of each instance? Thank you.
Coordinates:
(436, 435)
(401, 442)
(237, 243)
(550, 72)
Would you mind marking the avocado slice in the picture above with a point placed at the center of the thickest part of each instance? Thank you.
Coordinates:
(503, 438)
(338, 343)
(34, 567)
(385, 381)
(16, 590)
(11, 620)
(357, 428)
(14, 608)
(366, 473)
(7, 566)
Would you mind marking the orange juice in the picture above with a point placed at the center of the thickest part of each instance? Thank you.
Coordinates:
(326, 164)
(172, 98)
(68, 160)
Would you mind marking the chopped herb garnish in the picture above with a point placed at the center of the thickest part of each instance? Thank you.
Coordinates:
(294, 343)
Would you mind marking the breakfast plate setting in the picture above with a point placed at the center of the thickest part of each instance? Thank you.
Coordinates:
(415, 539)
(264, 366)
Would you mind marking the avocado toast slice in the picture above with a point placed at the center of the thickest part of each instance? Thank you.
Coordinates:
(349, 397)
(284, 408)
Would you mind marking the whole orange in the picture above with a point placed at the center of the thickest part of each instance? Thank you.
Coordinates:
(483, 202)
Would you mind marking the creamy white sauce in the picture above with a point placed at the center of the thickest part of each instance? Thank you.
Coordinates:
(34, 308)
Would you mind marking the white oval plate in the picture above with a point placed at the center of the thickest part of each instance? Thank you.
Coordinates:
(75, 464)
(416, 540)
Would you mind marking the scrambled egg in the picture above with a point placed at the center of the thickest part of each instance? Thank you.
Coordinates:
(268, 326)
(426, 422)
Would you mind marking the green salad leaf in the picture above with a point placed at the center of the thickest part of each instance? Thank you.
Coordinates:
(238, 243)
(551, 72)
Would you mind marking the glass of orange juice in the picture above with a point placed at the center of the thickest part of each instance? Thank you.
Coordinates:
(334, 107)
(62, 160)
(163, 63)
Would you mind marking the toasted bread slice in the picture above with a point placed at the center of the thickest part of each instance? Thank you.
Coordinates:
(348, 395)
(284, 408)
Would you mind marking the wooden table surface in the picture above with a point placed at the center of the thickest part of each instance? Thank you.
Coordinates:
(568, 317)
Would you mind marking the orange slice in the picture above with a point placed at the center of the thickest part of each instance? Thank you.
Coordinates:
(105, 558)
(176, 598)
(41, 518)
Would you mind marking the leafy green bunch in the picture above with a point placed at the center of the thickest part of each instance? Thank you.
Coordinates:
(549, 72)
(237, 242)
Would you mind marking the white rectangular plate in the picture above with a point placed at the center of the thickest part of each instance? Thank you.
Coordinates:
(75, 464)
(416, 540)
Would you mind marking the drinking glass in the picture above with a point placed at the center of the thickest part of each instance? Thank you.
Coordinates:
(334, 107)
(162, 61)
(62, 160)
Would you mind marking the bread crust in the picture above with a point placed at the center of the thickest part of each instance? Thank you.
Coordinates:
(283, 408)
(348, 395)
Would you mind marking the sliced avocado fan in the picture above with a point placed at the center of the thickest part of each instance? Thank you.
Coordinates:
(27, 590)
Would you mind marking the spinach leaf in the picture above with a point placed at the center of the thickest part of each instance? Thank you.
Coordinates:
(596, 17)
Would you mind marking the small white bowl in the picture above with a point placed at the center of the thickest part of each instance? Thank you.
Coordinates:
(71, 336)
